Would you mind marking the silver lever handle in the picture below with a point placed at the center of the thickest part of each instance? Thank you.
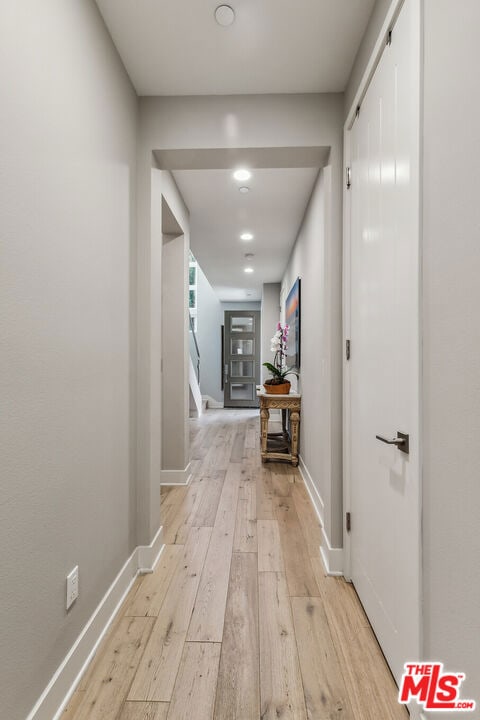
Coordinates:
(402, 441)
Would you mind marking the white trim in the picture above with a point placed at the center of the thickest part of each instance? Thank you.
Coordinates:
(213, 404)
(176, 477)
(61, 687)
(315, 496)
(148, 555)
(332, 558)
(377, 51)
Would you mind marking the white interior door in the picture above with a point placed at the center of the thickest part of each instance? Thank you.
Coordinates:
(385, 355)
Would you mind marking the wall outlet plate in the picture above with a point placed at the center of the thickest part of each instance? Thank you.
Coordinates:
(72, 587)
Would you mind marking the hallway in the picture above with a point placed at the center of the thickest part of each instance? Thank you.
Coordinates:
(238, 619)
(171, 168)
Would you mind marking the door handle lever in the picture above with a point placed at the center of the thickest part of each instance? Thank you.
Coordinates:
(402, 441)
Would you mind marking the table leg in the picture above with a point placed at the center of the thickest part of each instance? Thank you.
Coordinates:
(264, 416)
(294, 425)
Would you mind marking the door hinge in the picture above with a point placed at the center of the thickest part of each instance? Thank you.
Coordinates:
(389, 38)
(349, 177)
(357, 111)
(347, 349)
(348, 521)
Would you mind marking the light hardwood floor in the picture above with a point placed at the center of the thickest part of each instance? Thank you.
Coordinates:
(238, 621)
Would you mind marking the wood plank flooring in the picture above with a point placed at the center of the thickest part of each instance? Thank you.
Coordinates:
(238, 621)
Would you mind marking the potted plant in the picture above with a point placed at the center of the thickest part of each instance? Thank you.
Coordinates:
(277, 384)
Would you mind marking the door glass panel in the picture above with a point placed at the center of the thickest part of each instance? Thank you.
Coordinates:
(241, 391)
(242, 368)
(241, 324)
(241, 347)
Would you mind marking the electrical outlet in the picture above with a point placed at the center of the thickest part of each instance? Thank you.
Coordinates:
(72, 586)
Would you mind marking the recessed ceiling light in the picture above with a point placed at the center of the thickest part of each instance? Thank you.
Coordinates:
(242, 175)
(248, 269)
(246, 236)
(225, 15)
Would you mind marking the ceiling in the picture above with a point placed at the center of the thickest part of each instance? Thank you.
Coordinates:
(219, 213)
(175, 47)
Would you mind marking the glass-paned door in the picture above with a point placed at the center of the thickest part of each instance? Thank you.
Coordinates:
(241, 358)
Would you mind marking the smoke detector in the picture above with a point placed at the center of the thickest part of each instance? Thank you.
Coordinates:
(225, 15)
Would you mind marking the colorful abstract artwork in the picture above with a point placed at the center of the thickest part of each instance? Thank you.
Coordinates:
(292, 318)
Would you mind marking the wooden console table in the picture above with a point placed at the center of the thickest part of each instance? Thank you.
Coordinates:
(288, 441)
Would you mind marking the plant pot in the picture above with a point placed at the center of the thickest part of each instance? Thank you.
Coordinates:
(282, 389)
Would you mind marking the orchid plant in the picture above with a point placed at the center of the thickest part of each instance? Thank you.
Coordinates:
(278, 368)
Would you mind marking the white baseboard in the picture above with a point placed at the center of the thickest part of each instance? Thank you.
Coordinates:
(315, 497)
(213, 404)
(148, 555)
(332, 557)
(59, 690)
(176, 477)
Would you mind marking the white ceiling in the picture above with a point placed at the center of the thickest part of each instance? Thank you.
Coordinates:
(175, 47)
(219, 213)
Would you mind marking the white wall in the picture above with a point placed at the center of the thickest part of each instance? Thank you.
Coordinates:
(316, 259)
(209, 322)
(270, 318)
(377, 18)
(451, 341)
(243, 121)
(175, 382)
(253, 305)
(67, 176)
